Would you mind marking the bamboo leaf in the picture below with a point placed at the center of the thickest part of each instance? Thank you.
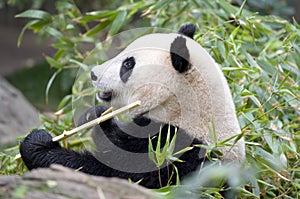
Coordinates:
(172, 145)
(118, 22)
(157, 149)
(30, 23)
(97, 15)
(151, 153)
(54, 32)
(228, 8)
(53, 63)
(239, 13)
(80, 64)
(49, 84)
(35, 14)
(64, 101)
(98, 28)
(163, 155)
(160, 4)
(183, 150)
(177, 176)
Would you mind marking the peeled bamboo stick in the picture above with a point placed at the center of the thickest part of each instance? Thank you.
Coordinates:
(108, 114)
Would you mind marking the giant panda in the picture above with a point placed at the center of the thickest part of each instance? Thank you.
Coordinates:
(181, 89)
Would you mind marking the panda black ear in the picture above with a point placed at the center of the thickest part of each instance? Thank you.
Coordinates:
(180, 55)
(188, 30)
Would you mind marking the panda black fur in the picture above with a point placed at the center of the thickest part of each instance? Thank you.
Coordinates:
(113, 80)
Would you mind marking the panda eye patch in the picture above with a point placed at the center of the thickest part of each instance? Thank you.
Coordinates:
(126, 68)
(128, 63)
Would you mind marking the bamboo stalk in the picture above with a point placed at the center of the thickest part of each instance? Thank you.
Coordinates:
(108, 114)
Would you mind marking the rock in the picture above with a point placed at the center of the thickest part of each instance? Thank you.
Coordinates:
(17, 116)
(61, 182)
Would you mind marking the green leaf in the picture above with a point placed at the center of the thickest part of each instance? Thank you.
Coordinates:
(212, 132)
(98, 28)
(177, 176)
(269, 159)
(234, 69)
(80, 64)
(172, 144)
(95, 15)
(54, 32)
(35, 24)
(239, 13)
(53, 63)
(255, 100)
(30, 23)
(118, 22)
(35, 14)
(160, 4)
(228, 8)
(88, 92)
(66, 100)
(221, 49)
(157, 149)
(266, 65)
(151, 153)
(49, 84)
(250, 60)
(234, 33)
(135, 8)
(163, 154)
(183, 150)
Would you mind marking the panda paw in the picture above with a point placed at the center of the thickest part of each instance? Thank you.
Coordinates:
(35, 145)
(38, 139)
(91, 114)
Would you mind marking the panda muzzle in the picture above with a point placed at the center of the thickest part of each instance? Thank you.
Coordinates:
(105, 96)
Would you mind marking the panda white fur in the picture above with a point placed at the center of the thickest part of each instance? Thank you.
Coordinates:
(178, 83)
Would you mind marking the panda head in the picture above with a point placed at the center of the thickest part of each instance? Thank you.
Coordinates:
(150, 69)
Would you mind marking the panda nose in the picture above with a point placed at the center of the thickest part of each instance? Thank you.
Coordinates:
(93, 76)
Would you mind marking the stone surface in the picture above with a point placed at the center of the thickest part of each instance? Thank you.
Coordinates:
(17, 115)
(59, 182)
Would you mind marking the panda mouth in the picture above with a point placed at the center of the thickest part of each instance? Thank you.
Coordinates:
(105, 96)
(141, 120)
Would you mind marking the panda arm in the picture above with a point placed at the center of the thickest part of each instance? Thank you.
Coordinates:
(38, 150)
